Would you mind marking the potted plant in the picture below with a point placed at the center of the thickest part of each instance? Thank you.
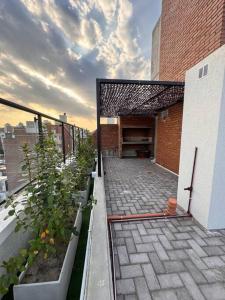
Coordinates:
(54, 220)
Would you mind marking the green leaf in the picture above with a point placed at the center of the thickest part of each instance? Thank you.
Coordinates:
(11, 212)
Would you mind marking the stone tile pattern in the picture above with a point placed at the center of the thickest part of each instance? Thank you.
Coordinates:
(137, 186)
(169, 259)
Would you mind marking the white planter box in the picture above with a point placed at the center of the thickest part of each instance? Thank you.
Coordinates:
(50, 290)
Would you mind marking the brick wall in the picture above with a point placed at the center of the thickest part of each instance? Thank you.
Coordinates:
(190, 31)
(169, 138)
(109, 137)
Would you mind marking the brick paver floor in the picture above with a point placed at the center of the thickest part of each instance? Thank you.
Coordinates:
(171, 259)
(137, 186)
(159, 259)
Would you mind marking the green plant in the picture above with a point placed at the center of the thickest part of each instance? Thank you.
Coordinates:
(48, 208)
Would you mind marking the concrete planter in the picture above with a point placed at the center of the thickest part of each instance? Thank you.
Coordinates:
(56, 290)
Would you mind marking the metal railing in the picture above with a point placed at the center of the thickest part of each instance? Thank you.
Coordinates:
(70, 137)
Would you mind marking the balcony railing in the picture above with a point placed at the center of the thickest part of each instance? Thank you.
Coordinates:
(67, 136)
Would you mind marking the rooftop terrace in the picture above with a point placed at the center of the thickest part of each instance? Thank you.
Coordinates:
(159, 259)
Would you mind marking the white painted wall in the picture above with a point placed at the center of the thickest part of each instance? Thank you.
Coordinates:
(204, 127)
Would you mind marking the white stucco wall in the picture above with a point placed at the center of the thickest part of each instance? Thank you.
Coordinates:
(204, 127)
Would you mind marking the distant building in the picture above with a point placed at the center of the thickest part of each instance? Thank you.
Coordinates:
(156, 51)
(31, 127)
(63, 118)
(111, 120)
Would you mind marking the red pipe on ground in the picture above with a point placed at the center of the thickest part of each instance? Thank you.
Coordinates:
(112, 218)
(169, 212)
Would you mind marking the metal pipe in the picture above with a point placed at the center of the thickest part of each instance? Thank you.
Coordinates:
(190, 188)
(29, 110)
(151, 218)
(140, 82)
(40, 130)
(112, 259)
(63, 143)
(98, 92)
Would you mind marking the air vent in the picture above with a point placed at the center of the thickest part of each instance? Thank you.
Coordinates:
(164, 114)
(203, 71)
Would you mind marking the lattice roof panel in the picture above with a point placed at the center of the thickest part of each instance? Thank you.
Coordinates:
(131, 97)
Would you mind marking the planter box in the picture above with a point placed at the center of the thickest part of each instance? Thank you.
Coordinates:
(50, 290)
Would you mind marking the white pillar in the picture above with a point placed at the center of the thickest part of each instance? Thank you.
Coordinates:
(204, 127)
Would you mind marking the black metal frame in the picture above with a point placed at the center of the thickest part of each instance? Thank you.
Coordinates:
(38, 119)
(144, 97)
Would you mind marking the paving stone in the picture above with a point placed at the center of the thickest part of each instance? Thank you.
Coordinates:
(174, 266)
(139, 258)
(117, 226)
(179, 244)
(169, 281)
(214, 261)
(168, 234)
(129, 226)
(119, 242)
(131, 271)
(154, 231)
(199, 251)
(141, 229)
(215, 291)
(149, 238)
(214, 275)
(214, 241)
(165, 295)
(160, 251)
(130, 245)
(150, 277)
(123, 234)
(183, 294)
(165, 242)
(146, 247)
(156, 262)
(196, 259)
(177, 254)
(198, 239)
(182, 236)
(191, 286)
(195, 272)
(213, 250)
(142, 289)
(123, 255)
(136, 236)
(125, 286)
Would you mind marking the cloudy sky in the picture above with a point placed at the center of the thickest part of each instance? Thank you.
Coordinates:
(51, 52)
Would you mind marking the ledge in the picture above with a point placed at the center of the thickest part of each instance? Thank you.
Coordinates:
(97, 277)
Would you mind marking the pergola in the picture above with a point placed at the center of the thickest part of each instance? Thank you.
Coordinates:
(117, 97)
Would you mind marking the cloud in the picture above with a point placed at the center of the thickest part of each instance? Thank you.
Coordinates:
(52, 51)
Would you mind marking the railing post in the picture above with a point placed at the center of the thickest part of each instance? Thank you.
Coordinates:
(63, 143)
(78, 136)
(40, 130)
(82, 134)
(98, 127)
(73, 134)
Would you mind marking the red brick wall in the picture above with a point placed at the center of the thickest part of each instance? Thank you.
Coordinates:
(169, 138)
(190, 31)
(109, 137)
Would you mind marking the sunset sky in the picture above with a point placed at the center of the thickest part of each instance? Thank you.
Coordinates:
(52, 51)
